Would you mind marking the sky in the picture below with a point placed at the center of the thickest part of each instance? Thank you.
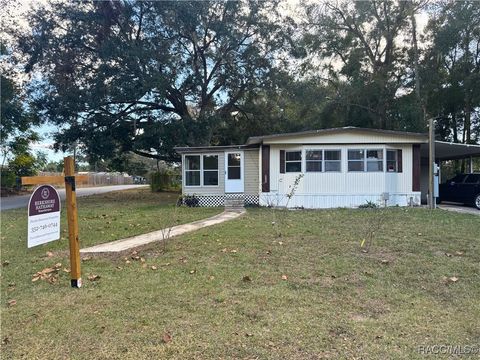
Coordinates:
(18, 8)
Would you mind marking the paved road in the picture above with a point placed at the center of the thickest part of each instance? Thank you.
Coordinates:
(13, 202)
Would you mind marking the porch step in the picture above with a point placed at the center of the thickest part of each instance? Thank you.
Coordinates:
(234, 204)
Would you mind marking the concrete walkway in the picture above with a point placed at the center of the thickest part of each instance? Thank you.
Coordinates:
(459, 208)
(139, 240)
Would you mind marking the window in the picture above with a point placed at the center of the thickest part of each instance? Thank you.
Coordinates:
(293, 161)
(369, 160)
(234, 167)
(356, 160)
(472, 179)
(392, 160)
(331, 160)
(314, 160)
(210, 170)
(192, 170)
(375, 160)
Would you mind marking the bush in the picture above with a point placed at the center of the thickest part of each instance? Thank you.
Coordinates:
(163, 182)
(368, 205)
(8, 179)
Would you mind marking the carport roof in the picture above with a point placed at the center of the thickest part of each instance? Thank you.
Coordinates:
(451, 151)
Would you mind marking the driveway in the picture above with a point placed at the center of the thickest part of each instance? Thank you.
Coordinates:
(14, 202)
(456, 207)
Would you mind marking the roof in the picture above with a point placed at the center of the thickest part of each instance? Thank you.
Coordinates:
(259, 139)
(451, 151)
(444, 150)
(188, 149)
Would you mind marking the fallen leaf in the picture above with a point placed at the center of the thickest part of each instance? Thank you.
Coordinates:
(247, 278)
(166, 337)
(233, 251)
(459, 253)
(142, 260)
(153, 267)
(193, 271)
(11, 303)
(127, 262)
(248, 334)
(453, 279)
(284, 277)
(448, 254)
(212, 277)
(385, 262)
(49, 254)
(93, 277)
(87, 258)
(57, 265)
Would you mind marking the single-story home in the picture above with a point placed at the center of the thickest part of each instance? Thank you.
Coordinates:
(339, 167)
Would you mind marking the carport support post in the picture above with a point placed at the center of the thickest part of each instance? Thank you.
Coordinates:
(431, 162)
(72, 218)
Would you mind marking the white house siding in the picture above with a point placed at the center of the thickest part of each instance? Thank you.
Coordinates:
(215, 195)
(340, 189)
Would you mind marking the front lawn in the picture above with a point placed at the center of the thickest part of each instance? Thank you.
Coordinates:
(239, 291)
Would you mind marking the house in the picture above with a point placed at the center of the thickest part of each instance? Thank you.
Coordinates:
(340, 167)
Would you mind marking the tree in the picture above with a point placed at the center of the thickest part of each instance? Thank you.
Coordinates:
(452, 65)
(367, 64)
(144, 76)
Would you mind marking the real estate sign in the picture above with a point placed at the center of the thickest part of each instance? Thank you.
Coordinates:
(43, 216)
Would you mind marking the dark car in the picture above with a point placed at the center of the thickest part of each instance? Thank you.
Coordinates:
(463, 188)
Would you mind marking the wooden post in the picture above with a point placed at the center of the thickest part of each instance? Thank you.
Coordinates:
(72, 217)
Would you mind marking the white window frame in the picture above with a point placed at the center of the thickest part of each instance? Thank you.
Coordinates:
(294, 161)
(365, 160)
(201, 171)
(185, 170)
(212, 170)
(396, 161)
(375, 161)
(323, 161)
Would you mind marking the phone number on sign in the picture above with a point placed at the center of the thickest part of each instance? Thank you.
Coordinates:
(51, 225)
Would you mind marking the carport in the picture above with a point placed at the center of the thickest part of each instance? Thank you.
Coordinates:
(445, 151)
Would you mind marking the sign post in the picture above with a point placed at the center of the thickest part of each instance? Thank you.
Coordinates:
(72, 215)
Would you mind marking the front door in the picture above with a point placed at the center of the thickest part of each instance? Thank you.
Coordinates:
(234, 172)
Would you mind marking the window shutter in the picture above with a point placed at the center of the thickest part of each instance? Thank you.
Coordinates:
(265, 168)
(282, 161)
(416, 168)
(399, 161)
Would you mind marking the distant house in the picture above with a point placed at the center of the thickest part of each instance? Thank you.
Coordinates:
(340, 167)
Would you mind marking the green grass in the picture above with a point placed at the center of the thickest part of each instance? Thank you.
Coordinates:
(337, 301)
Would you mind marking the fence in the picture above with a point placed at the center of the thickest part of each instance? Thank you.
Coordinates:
(99, 179)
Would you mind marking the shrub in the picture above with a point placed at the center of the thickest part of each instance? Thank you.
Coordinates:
(368, 205)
